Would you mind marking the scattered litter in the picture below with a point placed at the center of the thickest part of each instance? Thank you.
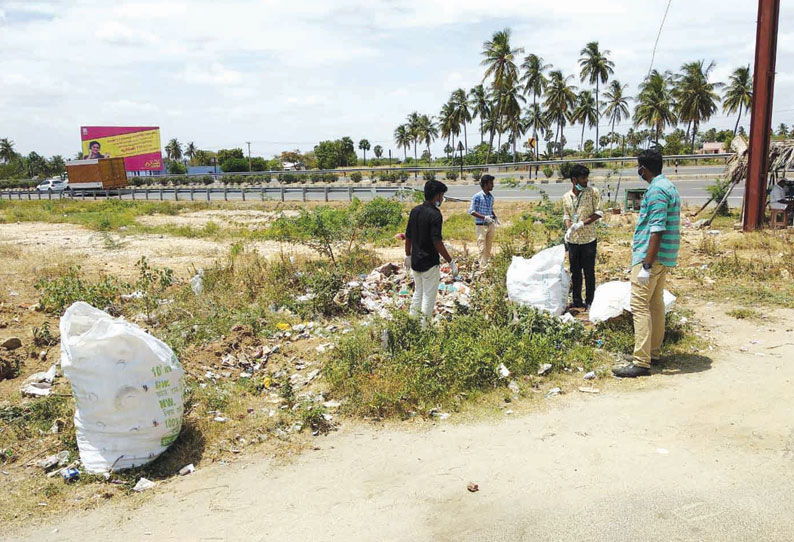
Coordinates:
(39, 384)
(472, 487)
(435, 413)
(586, 389)
(187, 469)
(568, 318)
(332, 404)
(504, 372)
(513, 386)
(508, 412)
(70, 475)
(553, 391)
(143, 485)
(197, 282)
(219, 419)
(60, 459)
(545, 368)
(590, 376)
(134, 295)
(662, 451)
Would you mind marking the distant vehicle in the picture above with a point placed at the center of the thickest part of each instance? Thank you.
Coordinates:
(56, 184)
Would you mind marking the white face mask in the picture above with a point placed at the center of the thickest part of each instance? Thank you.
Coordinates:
(438, 203)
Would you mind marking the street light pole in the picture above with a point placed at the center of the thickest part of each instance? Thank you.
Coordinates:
(460, 150)
(389, 158)
(249, 156)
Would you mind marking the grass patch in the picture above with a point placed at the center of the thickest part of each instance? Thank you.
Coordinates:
(744, 314)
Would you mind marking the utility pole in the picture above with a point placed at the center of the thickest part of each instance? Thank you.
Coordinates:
(761, 118)
(249, 155)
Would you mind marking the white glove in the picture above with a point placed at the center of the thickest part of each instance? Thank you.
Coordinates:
(644, 276)
(578, 226)
(453, 269)
(488, 220)
(407, 263)
(568, 235)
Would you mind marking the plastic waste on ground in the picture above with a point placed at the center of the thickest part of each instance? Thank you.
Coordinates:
(39, 384)
(197, 282)
(612, 298)
(541, 281)
(127, 387)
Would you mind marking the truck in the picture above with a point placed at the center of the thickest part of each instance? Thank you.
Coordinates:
(97, 174)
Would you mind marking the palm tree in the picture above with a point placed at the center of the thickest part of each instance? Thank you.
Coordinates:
(378, 150)
(655, 105)
(616, 108)
(175, 149)
(402, 138)
(7, 152)
(560, 100)
(739, 93)
(595, 68)
(414, 131)
(190, 151)
(364, 146)
(448, 123)
(500, 66)
(463, 116)
(511, 113)
(478, 98)
(695, 96)
(782, 130)
(428, 132)
(534, 83)
(585, 112)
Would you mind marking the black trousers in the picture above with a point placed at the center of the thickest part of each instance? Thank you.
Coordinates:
(582, 258)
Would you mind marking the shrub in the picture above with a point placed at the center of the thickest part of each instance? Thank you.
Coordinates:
(451, 175)
(548, 171)
(565, 170)
(207, 180)
(356, 176)
(58, 293)
(476, 175)
(717, 191)
(429, 175)
(288, 178)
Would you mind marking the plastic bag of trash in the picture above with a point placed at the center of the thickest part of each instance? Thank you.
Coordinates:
(197, 282)
(612, 298)
(127, 387)
(541, 282)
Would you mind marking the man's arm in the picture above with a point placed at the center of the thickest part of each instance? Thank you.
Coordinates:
(442, 250)
(653, 248)
(598, 214)
(407, 247)
(474, 213)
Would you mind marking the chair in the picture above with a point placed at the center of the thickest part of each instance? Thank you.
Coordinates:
(778, 218)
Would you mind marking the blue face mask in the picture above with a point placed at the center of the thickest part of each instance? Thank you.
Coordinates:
(438, 203)
(580, 188)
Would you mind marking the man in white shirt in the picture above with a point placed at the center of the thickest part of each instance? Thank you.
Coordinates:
(777, 198)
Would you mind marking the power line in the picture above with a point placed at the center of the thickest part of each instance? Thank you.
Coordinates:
(653, 56)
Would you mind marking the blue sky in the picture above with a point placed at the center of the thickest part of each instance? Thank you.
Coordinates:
(285, 75)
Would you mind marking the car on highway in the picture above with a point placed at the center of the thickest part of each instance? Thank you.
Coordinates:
(56, 184)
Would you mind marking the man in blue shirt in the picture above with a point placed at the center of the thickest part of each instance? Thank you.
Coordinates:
(481, 209)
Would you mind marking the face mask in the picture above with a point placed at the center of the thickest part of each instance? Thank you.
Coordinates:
(639, 171)
(580, 188)
(438, 203)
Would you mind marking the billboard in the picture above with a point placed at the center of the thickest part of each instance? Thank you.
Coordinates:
(138, 145)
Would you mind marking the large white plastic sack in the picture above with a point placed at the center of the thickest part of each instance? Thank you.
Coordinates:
(127, 387)
(612, 298)
(541, 281)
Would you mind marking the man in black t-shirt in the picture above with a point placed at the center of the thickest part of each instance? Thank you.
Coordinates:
(423, 244)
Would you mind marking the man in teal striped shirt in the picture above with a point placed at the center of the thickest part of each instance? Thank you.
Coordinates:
(655, 250)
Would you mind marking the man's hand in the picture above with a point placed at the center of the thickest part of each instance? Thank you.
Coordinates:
(488, 220)
(578, 226)
(644, 276)
(568, 235)
(453, 269)
(407, 263)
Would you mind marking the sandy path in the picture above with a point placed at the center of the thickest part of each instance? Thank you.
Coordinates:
(696, 453)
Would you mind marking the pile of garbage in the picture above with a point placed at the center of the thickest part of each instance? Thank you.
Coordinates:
(390, 285)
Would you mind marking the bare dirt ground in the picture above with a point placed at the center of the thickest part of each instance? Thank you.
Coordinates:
(697, 452)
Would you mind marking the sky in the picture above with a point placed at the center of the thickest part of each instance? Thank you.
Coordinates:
(285, 75)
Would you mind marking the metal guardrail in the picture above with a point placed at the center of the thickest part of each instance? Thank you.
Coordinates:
(253, 193)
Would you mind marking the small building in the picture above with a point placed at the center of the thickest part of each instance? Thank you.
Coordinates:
(712, 147)
(293, 166)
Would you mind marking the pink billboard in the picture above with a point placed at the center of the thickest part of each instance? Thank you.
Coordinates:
(138, 145)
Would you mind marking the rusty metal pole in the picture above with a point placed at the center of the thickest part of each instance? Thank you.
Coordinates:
(761, 118)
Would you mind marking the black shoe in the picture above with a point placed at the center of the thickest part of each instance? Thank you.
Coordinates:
(655, 362)
(630, 371)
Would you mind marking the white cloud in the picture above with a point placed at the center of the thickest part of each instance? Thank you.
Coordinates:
(213, 74)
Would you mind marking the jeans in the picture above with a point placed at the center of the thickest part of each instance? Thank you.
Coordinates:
(426, 290)
(582, 258)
